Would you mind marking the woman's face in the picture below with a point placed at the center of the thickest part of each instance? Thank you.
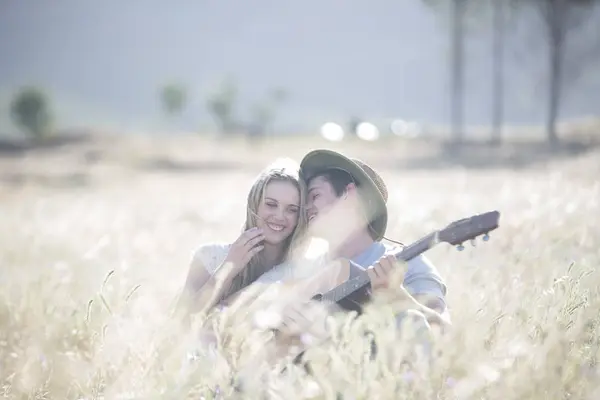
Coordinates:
(279, 211)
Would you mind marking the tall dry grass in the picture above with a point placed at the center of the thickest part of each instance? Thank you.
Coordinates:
(89, 276)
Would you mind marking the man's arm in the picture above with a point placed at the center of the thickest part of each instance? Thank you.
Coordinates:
(425, 283)
(433, 303)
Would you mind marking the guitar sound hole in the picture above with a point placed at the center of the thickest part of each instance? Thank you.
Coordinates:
(317, 297)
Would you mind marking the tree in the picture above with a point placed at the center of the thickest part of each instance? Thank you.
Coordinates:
(221, 104)
(457, 97)
(173, 98)
(30, 110)
(458, 19)
(560, 18)
(499, 15)
(498, 38)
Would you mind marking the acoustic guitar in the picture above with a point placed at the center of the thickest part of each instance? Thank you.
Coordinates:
(354, 292)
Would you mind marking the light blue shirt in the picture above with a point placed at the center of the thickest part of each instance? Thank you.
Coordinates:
(421, 277)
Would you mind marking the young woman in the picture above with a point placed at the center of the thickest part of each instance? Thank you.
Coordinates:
(275, 220)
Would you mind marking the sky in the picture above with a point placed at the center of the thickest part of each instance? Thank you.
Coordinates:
(104, 62)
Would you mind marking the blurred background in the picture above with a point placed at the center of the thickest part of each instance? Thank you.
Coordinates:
(460, 68)
(132, 130)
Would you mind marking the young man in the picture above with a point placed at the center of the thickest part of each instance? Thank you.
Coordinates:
(347, 206)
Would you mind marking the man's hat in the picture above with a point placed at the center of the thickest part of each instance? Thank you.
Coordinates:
(371, 185)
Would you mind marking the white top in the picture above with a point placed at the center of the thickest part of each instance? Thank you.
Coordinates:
(212, 255)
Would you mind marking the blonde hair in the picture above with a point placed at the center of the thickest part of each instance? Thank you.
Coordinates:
(281, 170)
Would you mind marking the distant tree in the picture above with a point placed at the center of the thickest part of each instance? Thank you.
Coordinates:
(496, 12)
(30, 110)
(221, 104)
(173, 99)
(458, 14)
(560, 18)
(498, 50)
(458, 69)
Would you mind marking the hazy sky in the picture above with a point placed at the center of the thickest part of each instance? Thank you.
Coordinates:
(105, 60)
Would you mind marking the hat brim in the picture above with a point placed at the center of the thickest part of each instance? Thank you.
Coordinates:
(319, 160)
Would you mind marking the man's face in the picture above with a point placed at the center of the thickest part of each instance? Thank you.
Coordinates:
(325, 209)
(321, 197)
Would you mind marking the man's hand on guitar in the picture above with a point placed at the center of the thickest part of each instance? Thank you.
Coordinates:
(386, 269)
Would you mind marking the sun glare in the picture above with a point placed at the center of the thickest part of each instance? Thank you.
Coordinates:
(367, 131)
(332, 132)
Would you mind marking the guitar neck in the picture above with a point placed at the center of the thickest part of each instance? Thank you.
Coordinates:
(405, 254)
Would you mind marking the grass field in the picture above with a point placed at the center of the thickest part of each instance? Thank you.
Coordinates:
(96, 238)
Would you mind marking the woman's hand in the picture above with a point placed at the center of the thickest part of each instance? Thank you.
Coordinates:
(242, 251)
